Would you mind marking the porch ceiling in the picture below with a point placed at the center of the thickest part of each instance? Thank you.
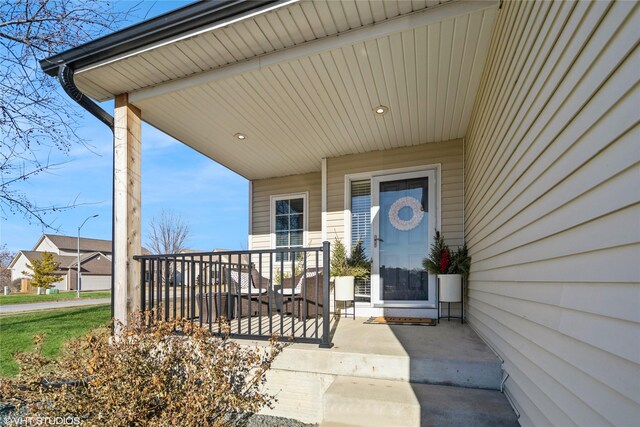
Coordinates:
(302, 81)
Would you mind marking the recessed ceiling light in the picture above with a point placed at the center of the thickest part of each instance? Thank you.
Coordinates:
(240, 136)
(380, 110)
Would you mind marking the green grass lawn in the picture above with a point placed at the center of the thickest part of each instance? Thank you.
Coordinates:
(58, 326)
(29, 298)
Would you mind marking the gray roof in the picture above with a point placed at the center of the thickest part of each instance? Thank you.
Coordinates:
(86, 257)
(71, 243)
(244, 258)
(64, 260)
(90, 247)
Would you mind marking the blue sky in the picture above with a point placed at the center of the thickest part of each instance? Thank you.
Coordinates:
(205, 194)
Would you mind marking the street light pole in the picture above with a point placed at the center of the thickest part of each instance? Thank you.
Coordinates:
(79, 274)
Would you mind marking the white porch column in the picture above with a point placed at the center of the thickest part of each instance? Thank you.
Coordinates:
(127, 206)
(324, 199)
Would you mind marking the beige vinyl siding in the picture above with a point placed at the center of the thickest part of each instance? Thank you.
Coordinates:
(552, 212)
(447, 154)
(263, 189)
(260, 233)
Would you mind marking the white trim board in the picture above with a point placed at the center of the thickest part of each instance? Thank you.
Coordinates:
(348, 178)
(250, 227)
(323, 190)
(376, 280)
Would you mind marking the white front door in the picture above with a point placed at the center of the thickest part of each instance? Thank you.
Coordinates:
(404, 223)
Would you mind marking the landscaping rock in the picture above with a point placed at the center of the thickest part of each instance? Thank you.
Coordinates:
(271, 421)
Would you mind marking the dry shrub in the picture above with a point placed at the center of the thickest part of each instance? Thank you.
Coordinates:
(160, 373)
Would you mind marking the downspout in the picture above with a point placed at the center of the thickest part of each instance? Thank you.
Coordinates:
(65, 77)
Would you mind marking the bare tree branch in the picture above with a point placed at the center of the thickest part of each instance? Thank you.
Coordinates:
(168, 234)
(6, 257)
(36, 119)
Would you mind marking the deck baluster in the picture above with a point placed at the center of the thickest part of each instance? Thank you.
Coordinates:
(201, 277)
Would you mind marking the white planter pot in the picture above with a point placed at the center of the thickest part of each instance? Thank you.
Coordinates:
(344, 288)
(450, 287)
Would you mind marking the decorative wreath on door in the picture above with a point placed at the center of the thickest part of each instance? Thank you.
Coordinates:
(416, 213)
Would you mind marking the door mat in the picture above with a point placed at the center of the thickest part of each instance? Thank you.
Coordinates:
(416, 321)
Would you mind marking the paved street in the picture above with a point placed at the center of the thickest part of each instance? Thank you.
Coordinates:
(16, 308)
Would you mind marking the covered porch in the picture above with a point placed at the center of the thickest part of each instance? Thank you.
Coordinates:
(338, 370)
(515, 115)
(334, 370)
(384, 99)
(335, 112)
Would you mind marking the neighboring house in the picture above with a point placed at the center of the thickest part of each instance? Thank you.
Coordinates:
(511, 126)
(95, 261)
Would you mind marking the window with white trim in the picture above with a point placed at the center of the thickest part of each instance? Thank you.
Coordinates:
(289, 225)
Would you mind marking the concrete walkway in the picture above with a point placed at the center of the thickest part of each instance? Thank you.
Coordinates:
(49, 305)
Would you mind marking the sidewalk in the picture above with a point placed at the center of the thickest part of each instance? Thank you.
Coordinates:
(36, 306)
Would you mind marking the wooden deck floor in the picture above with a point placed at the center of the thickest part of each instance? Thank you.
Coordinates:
(281, 325)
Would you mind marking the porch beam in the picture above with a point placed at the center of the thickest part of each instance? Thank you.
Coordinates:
(127, 206)
(402, 23)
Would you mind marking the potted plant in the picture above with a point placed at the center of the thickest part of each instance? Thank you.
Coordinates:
(345, 269)
(279, 275)
(449, 267)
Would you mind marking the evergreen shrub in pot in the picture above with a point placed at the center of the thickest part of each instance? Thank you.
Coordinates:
(345, 269)
(449, 267)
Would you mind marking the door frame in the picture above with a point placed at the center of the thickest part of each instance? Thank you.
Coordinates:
(376, 284)
(346, 235)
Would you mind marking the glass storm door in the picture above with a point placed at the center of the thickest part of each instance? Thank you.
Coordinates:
(403, 227)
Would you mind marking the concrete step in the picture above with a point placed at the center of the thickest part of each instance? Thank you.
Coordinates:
(463, 407)
(353, 401)
(447, 354)
(429, 368)
(333, 424)
(368, 402)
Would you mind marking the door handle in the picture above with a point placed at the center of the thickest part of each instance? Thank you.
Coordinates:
(376, 239)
